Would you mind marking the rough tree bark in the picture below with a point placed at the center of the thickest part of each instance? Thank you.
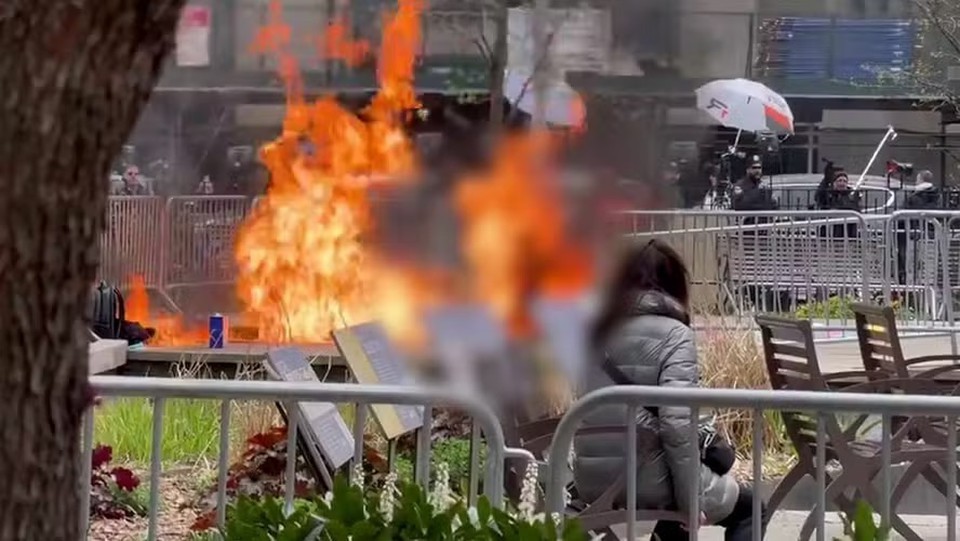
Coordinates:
(74, 76)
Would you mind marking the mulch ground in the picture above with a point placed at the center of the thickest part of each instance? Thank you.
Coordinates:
(178, 493)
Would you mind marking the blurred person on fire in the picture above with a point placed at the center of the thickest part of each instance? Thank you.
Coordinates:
(642, 336)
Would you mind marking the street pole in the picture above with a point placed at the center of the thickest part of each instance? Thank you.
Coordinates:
(541, 62)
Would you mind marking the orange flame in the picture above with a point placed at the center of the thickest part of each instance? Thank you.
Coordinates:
(303, 268)
(513, 238)
(170, 329)
(336, 44)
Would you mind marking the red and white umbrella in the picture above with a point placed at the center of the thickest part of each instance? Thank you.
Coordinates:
(746, 105)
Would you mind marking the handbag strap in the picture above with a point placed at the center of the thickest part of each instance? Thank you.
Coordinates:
(618, 377)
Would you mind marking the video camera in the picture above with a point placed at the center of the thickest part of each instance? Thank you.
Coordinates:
(902, 170)
(896, 168)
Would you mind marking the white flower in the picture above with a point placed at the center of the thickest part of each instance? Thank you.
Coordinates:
(388, 499)
(474, 517)
(528, 493)
(357, 477)
(441, 497)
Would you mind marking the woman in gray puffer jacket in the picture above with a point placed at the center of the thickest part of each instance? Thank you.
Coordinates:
(642, 336)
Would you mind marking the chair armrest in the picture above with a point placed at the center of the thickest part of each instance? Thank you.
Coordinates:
(933, 373)
(932, 358)
(852, 374)
(851, 377)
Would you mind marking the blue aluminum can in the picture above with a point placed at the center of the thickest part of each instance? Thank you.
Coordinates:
(219, 329)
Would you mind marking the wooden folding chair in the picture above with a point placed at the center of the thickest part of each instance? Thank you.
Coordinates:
(793, 366)
(931, 431)
(880, 348)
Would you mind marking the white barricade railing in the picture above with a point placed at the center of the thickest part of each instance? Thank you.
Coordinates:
(740, 262)
(132, 242)
(201, 232)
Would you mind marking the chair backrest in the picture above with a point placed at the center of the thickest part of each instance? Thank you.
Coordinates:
(790, 354)
(880, 348)
(792, 365)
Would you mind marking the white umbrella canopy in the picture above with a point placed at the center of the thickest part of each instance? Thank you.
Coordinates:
(746, 105)
(564, 106)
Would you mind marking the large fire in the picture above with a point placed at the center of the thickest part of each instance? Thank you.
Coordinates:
(303, 267)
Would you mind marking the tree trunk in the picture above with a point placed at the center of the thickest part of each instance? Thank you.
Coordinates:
(74, 76)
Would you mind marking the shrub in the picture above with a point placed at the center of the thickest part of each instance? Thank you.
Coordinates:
(113, 491)
(731, 359)
(397, 510)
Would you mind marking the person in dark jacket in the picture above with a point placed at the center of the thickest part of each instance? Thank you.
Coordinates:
(749, 194)
(925, 196)
(643, 332)
(837, 195)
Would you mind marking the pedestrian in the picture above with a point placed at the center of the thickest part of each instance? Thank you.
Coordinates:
(643, 337)
(837, 195)
(206, 186)
(132, 184)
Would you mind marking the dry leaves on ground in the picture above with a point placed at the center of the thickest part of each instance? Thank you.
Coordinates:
(177, 491)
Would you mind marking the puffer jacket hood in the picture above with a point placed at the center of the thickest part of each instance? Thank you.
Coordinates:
(656, 303)
(653, 346)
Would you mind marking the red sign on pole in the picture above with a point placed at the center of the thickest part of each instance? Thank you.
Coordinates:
(193, 37)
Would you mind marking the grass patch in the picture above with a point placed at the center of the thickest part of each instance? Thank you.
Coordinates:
(191, 427)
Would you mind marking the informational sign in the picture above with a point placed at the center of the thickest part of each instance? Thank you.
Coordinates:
(325, 426)
(193, 36)
(373, 359)
(564, 326)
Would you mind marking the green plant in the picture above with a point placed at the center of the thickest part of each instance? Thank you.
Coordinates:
(861, 526)
(835, 307)
(114, 492)
(395, 510)
(840, 307)
(452, 451)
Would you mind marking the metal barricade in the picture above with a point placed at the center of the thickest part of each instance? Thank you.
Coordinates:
(917, 265)
(159, 390)
(200, 239)
(745, 262)
(634, 398)
(132, 242)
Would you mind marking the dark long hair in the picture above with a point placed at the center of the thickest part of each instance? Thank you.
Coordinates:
(653, 266)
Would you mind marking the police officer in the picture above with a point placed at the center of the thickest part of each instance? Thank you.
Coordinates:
(748, 192)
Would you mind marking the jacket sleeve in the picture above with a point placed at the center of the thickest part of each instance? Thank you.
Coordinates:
(679, 370)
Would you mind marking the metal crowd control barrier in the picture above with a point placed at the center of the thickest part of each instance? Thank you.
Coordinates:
(201, 233)
(161, 389)
(747, 262)
(769, 260)
(132, 242)
(632, 398)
